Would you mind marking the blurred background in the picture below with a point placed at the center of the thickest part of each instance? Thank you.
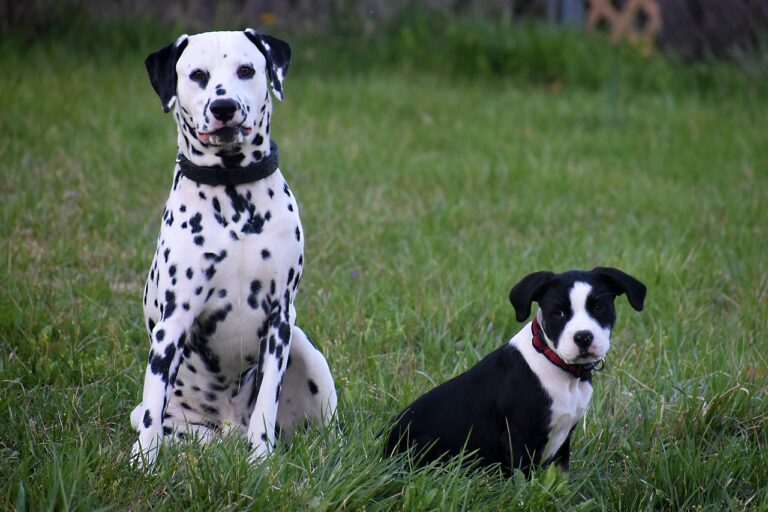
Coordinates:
(465, 35)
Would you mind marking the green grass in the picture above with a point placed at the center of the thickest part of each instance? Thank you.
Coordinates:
(424, 196)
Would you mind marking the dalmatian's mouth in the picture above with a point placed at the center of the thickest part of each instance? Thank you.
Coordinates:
(225, 135)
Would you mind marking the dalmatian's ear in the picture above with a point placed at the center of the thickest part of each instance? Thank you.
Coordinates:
(161, 66)
(528, 290)
(278, 55)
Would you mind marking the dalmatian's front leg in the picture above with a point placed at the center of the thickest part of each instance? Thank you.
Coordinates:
(165, 355)
(273, 358)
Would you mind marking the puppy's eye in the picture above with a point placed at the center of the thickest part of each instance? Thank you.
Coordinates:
(597, 306)
(198, 75)
(558, 313)
(245, 72)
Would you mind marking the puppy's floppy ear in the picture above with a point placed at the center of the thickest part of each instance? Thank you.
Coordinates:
(278, 55)
(624, 283)
(526, 291)
(161, 66)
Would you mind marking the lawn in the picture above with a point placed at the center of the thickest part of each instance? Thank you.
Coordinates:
(424, 196)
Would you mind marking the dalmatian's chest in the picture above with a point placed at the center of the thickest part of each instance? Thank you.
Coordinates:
(236, 255)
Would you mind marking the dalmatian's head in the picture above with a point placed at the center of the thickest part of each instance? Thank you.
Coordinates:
(217, 85)
(576, 311)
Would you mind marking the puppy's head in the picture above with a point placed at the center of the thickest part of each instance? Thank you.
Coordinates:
(576, 308)
(218, 83)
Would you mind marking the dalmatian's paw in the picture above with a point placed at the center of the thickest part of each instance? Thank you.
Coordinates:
(144, 452)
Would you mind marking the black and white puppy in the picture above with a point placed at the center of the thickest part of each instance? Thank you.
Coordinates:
(518, 406)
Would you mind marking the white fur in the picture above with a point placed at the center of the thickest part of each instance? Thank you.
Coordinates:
(582, 321)
(221, 54)
(570, 396)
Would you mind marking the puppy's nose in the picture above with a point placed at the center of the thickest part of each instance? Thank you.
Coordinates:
(223, 110)
(583, 338)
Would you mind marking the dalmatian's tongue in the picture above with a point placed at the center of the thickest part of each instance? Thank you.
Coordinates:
(204, 137)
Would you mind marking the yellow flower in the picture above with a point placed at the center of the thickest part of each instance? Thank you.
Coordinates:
(268, 18)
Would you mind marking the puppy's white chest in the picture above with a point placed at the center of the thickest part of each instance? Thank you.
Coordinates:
(570, 399)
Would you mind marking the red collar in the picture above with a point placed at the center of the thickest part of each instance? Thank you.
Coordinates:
(580, 371)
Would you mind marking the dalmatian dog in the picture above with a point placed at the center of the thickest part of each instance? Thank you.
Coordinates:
(226, 355)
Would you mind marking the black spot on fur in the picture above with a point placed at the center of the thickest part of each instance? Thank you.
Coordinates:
(284, 331)
(254, 225)
(196, 222)
(265, 254)
(291, 273)
(160, 365)
(199, 240)
(253, 296)
(160, 335)
(170, 304)
(215, 257)
(230, 159)
(190, 273)
(312, 386)
(218, 316)
(147, 419)
(209, 410)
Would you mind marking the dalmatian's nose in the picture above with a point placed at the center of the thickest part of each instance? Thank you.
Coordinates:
(223, 110)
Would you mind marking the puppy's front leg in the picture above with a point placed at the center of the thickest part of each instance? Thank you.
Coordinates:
(562, 457)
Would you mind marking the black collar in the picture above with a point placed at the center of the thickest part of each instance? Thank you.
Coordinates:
(580, 371)
(230, 175)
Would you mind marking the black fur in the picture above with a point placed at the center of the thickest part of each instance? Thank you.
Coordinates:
(499, 410)
(161, 67)
(278, 57)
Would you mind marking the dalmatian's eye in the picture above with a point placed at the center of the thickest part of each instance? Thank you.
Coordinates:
(198, 75)
(558, 314)
(245, 72)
